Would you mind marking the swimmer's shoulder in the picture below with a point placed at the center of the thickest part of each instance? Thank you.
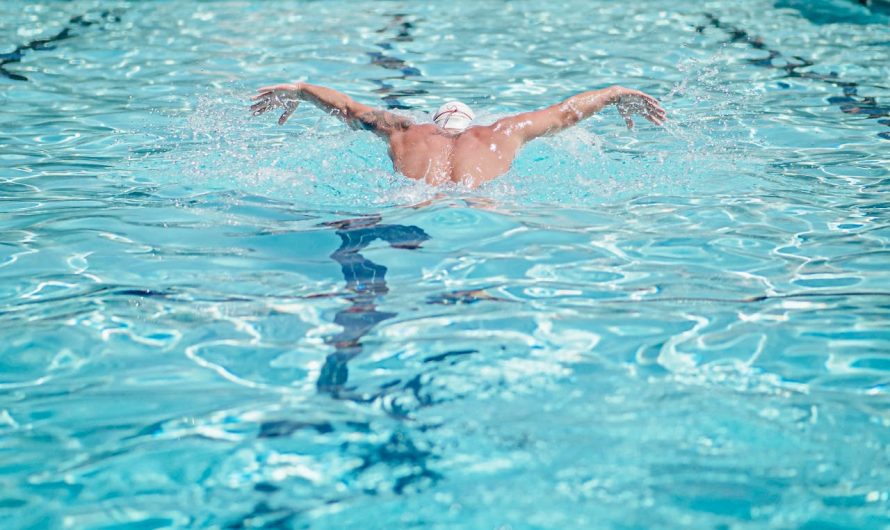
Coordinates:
(479, 132)
(420, 129)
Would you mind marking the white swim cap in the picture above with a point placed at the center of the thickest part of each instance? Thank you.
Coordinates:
(454, 115)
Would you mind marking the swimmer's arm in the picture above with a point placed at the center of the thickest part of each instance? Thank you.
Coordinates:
(355, 114)
(530, 125)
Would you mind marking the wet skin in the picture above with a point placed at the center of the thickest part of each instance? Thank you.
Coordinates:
(470, 156)
(473, 156)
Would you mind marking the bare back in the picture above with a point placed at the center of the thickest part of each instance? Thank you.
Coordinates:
(472, 156)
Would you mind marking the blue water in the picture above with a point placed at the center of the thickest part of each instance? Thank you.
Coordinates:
(210, 321)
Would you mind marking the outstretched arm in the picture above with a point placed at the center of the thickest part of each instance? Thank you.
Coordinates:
(530, 125)
(355, 114)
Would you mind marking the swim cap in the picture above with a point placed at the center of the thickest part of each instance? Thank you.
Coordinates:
(454, 115)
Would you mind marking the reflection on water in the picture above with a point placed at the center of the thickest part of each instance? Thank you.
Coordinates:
(633, 329)
(366, 284)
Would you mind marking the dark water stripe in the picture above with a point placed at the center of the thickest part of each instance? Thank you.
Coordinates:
(849, 103)
(390, 95)
(47, 44)
(365, 288)
(398, 451)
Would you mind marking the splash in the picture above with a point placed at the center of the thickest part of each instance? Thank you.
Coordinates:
(316, 161)
(218, 145)
(710, 112)
(707, 146)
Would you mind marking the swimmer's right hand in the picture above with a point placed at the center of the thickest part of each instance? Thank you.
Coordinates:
(287, 96)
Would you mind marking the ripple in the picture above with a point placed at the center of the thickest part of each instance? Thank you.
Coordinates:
(206, 321)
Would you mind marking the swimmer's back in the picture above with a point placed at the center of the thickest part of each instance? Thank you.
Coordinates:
(475, 155)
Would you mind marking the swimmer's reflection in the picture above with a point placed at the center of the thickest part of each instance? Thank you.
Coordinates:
(365, 286)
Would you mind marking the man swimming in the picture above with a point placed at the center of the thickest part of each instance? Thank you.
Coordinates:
(449, 149)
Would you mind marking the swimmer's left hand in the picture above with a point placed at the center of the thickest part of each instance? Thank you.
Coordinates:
(287, 96)
(632, 102)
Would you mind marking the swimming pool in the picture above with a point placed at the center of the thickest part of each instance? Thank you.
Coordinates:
(209, 321)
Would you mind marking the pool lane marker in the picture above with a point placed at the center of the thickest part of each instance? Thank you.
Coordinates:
(847, 103)
(366, 286)
(47, 44)
(403, 34)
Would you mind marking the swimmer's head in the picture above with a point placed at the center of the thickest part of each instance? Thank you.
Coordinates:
(454, 116)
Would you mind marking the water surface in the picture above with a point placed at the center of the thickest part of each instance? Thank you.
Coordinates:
(210, 321)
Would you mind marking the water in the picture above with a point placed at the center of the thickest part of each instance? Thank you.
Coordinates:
(209, 321)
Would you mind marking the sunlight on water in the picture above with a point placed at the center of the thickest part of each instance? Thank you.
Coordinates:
(211, 321)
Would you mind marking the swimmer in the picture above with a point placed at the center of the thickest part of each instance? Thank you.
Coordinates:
(451, 149)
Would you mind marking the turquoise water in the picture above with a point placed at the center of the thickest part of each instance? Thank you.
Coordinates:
(210, 321)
